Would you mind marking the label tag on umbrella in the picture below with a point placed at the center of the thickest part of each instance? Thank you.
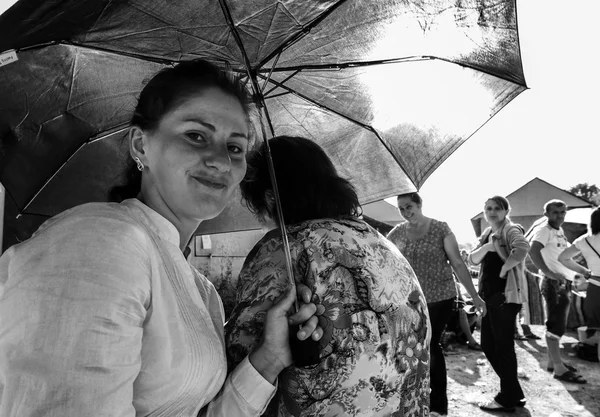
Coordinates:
(8, 57)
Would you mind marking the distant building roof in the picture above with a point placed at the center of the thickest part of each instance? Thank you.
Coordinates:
(529, 199)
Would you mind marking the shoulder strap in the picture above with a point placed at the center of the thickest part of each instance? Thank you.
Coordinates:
(590, 245)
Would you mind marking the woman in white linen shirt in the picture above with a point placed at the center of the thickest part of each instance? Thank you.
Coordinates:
(100, 313)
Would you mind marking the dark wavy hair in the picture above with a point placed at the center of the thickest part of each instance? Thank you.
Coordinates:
(165, 91)
(308, 183)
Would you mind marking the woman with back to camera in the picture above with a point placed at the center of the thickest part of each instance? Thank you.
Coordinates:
(501, 251)
(373, 356)
(432, 250)
(589, 246)
(101, 313)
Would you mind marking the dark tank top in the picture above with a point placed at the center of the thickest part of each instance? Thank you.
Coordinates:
(491, 286)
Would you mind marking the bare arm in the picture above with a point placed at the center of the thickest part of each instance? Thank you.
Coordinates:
(566, 258)
(520, 249)
(461, 270)
(538, 260)
(478, 254)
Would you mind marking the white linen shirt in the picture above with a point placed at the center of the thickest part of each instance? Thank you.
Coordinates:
(92, 323)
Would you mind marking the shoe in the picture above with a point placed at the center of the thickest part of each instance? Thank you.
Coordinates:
(474, 346)
(569, 367)
(520, 337)
(571, 376)
(494, 406)
(436, 414)
(531, 336)
(522, 402)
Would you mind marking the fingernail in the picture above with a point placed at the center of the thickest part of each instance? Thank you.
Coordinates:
(301, 335)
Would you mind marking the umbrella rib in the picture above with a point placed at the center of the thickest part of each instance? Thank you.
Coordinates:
(305, 30)
(317, 104)
(99, 49)
(343, 116)
(359, 64)
(352, 64)
(117, 129)
(30, 213)
(285, 93)
(87, 142)
(270, 73)
(50, 179)
(293, 74)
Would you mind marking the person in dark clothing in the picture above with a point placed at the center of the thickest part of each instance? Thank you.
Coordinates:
(501, 252)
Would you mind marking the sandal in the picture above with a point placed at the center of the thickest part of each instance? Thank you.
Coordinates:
(474, 346)
(571, 376)
(569, 367)
(494, 406)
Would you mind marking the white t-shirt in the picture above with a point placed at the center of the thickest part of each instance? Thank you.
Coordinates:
(554, 242)
(592, 259)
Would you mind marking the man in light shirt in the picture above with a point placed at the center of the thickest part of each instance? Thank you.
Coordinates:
(547, 242)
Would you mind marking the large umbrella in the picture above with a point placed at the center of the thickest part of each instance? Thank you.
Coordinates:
(389, 88)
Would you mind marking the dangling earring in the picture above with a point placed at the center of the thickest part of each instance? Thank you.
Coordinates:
(139, 164)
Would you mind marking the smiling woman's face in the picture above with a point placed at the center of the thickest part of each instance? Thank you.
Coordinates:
(410, 210)
(196, 156)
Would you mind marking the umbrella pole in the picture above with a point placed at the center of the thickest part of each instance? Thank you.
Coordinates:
(278, 208)
(282, 228)
(305, 352)
(259, 100)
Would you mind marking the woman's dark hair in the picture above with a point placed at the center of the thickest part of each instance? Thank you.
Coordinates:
(595, 221)
(308, 183)
(165, 91)
(414, 197)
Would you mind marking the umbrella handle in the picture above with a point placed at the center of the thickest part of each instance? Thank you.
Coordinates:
(304, 352)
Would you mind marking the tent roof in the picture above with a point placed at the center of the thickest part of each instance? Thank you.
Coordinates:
(529, 199)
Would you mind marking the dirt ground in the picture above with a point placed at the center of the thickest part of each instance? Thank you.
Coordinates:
(471, 380)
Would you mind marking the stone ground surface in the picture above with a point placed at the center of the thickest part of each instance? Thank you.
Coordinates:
(471, 380)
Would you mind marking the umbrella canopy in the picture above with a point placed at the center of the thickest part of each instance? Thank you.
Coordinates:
(388, 88)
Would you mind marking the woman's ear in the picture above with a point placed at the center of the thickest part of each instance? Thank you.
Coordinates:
(137, 143)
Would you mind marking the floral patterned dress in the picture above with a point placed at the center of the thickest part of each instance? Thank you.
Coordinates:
(374, 358)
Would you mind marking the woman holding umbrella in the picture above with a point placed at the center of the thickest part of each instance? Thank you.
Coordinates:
(373, 358)
(101, 313)
(432, 250)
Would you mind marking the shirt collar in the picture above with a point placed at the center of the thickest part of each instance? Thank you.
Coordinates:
(154, 221)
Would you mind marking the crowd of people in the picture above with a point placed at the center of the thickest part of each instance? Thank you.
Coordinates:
(102, 315)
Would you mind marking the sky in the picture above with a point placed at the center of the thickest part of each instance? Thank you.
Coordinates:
(549, 131)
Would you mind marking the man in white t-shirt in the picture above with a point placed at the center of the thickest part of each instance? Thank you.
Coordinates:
(547, 243)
